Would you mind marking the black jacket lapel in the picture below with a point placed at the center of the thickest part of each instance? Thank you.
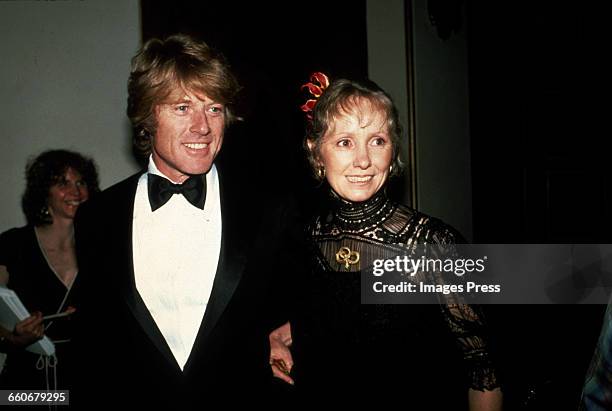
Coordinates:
(232, 259)
(124, 212)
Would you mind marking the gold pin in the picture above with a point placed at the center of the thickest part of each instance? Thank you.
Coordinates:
(346, 256)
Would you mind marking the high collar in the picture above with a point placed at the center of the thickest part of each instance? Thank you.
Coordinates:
(360, 215)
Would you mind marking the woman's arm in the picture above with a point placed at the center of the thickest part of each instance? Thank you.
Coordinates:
(485, 400)
(467, 324)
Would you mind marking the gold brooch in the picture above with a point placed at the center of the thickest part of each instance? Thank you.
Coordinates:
(346, 256)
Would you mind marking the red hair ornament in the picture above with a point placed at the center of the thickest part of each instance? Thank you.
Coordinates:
(318, 83)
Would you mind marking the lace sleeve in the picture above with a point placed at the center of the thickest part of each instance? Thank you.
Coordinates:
(465, 321)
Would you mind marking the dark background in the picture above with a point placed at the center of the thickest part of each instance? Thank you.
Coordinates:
(540, 172)
(539, 143)
(273, 51)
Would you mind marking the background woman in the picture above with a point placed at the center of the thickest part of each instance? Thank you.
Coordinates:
(38, 262)
(426, 356)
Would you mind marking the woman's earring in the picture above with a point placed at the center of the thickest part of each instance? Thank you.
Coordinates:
(44, 211)
(44, 214)
(391, 169)
(321, 173)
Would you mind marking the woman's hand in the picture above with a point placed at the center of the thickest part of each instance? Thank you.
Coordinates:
(27, 331)
(281, 360)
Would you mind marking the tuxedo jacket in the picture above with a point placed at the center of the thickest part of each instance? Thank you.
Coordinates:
(121, 351)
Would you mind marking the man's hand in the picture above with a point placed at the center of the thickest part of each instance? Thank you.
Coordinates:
(281, 360)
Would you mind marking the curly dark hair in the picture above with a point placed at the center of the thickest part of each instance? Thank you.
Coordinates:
(46, 170)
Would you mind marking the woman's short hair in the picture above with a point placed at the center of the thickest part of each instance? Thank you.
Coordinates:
(341, 97)
(47, 169)
(161, 66)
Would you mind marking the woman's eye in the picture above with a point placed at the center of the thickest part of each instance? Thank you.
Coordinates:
(379, 141)
(344, 143)
(182, 108)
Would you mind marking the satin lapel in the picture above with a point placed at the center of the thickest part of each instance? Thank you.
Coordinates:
(124, 210)
(232, 260)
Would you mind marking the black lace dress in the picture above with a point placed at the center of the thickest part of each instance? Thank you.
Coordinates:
(425, 356)
(40, 289)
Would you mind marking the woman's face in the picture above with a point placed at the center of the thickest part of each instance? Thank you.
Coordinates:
(67, 194)
(356, 152)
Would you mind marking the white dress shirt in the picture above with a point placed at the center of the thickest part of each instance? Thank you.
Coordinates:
(176, 251)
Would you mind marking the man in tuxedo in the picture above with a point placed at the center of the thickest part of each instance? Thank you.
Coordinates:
(178, 263)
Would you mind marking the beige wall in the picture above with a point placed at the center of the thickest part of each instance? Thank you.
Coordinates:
(63, 85)
(443, 170)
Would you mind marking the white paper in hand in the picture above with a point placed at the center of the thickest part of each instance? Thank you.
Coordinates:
(12, 311)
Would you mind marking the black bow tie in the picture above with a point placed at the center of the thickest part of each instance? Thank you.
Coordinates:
(161, 189)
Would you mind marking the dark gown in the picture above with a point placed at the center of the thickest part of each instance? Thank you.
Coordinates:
(418, 356)
(39, 289)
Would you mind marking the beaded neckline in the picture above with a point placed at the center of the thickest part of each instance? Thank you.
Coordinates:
(357, 216)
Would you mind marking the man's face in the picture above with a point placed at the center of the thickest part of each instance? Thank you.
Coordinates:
(189, 134)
